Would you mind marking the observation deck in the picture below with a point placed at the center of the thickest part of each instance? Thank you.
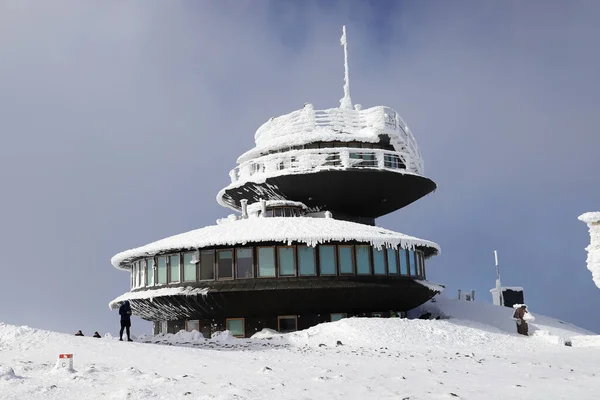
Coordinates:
(362, 163)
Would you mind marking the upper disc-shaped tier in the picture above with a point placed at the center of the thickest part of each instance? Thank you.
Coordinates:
(358, 163)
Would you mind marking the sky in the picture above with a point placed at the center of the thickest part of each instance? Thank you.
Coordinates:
(120, 122)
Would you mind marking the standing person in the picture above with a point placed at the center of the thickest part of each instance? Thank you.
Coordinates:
(521, 315)
(125, 313)
(97, 335)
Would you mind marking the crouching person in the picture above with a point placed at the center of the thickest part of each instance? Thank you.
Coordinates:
(125, 313)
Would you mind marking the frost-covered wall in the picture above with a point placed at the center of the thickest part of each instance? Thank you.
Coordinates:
(592, 219)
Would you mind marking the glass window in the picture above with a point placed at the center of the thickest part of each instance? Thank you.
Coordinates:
(277, 212)
(346, 260)
(163, 327)
(189, 267)
(287, 323)
(225, 264)
(287, 261)
(378, 261)
(327, 259)
(162, 269)
(174, 268)
(138, 274)
(207, 265)
(192, 325)
(363, 260)
(306, 260)
(287, 212)
(413, 265)
(392, 262)
(403, 262)
(423, 266)
(243, 263)
(266, 261)
(132, 277)
(337, 316)
(235, 326)
(143, 272)
(149, 265)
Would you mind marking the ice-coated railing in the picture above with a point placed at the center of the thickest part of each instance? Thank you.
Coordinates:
(372, 122)
(308, 160)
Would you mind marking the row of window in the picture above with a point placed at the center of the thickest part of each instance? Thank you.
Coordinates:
(276, 261)
(329, 145)
(358, 159)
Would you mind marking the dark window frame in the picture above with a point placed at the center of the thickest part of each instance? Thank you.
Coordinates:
(274, 262)
(335, 261)
(243, 326)
(280, 317)
(352, 256)
(370, 258)
(231, 249)
(214, 266)
(252, 269)
(314, 254)
(295, 273)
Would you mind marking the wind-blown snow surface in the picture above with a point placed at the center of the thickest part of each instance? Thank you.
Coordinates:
(378, 359)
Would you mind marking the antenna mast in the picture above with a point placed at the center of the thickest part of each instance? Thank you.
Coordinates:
(498, 284)
(346, 101)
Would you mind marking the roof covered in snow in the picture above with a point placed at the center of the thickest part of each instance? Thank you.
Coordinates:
(311, 231)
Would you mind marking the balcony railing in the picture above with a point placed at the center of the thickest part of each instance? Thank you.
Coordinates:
(309, 160)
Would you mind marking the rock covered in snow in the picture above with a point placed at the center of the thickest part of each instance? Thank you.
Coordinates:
(592, 219)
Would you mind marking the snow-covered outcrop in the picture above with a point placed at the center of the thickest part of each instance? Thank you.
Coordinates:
(592, 219)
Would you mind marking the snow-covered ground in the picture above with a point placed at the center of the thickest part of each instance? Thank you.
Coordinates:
(475, 354)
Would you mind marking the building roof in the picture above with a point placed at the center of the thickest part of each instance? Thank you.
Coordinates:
(311, 231)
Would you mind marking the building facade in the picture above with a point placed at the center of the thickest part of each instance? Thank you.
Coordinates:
(302, 247)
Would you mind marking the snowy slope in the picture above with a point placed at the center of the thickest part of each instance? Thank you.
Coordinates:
(378, 359)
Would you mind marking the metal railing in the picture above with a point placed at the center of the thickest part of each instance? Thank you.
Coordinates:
(307, 160)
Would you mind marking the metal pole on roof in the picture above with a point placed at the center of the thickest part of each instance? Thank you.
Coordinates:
(498, 284)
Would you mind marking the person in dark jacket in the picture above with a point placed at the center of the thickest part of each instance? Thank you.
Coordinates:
(125, 313)
(519, 316)
(97, 335)
(79, 333)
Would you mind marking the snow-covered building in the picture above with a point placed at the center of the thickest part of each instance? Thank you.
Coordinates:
(592, 219)
(303, 247)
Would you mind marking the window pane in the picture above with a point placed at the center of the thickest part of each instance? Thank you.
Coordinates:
(207, 265)
(132, 279)
(378, 261)
(363, 261)
(327, 260)
(403, 261)
(411, 260)
(149, 272)
(163, 327)
(277, 212)
(138, 274)
(287, 265)
(162, 269)
(225, 267)
(235, 326)
(392, 259)
(189, 268)
(287, 324)
(337, 316)
(174, 265)
(287, 212)
(192, 325)
(306, 259)
(423, 266)
(266, 261)
(346, 260)
(244, 263)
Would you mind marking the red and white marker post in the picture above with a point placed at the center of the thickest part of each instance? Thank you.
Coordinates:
(65, 361)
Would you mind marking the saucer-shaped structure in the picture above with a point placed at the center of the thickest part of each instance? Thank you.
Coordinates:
(304, 248)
